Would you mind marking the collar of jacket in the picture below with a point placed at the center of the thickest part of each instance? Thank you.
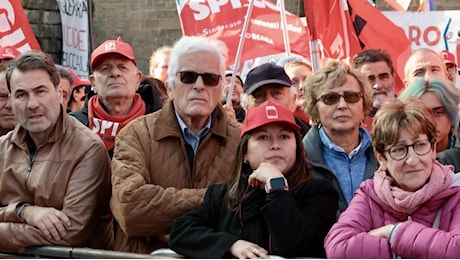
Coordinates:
(167, 125)
(19, 133)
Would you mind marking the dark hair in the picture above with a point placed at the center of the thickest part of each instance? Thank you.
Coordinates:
(372, 55)
(65, 74)
(297, 176)
(157, 85)
(34, 60)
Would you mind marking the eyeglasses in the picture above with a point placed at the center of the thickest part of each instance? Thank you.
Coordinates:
(189, 77)
(334, 98)
(399, 152)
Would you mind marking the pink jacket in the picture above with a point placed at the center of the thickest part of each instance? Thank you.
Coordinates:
(414, 237)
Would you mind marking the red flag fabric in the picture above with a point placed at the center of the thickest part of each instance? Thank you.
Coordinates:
(224, 20)
(370, 29)
(330, 24)
(15, 29)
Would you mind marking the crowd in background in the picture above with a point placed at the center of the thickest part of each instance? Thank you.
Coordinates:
(287, 161)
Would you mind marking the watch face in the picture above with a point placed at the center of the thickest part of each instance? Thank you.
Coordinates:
(277, 183)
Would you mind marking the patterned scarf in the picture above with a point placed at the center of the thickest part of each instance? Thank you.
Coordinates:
(108, 126)
(406, 201)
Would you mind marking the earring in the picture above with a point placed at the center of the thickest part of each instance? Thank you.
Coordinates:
(245, 161)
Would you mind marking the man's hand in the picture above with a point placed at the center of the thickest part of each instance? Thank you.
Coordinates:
(230, 112)
(245, 249)
(51, 222)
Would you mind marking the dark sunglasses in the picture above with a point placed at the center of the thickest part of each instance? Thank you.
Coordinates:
(334, 98)
(190, 77)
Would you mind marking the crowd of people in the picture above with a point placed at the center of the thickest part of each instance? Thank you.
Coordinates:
(288, 161)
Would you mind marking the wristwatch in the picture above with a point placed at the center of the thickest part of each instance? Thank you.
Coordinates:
(274, 184)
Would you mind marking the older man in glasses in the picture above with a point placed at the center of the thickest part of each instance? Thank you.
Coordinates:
(118, 97)
(164, 161)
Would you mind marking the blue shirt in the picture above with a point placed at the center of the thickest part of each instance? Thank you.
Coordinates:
(348, 168)
(189, 137)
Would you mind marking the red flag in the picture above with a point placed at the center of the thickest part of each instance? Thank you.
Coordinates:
(329, 22)
(224, 20)
(371, 29)
(15, 29)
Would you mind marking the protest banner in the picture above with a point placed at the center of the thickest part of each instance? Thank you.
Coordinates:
(75, 35)
(224, 20)
(436, 30)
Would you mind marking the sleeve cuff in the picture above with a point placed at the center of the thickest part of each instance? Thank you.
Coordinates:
(392, 231)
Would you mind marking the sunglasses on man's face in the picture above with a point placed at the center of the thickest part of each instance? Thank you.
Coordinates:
(190, 77)
(334, 98)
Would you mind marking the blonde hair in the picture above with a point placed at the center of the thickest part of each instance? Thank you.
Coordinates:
(153, 61)
(332, 75)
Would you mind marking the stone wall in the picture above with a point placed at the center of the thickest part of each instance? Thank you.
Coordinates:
(45, 21)
(145, 24)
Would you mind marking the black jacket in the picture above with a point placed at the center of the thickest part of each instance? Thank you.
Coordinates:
(296, 224)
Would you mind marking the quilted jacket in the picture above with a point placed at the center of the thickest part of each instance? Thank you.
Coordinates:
(152, 183)
(414, 237)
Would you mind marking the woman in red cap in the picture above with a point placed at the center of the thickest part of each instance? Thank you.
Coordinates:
(272, 205)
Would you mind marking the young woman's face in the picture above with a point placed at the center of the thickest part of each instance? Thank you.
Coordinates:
(274, 143)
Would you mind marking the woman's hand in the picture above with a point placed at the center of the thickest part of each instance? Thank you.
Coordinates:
(263, 173)
(382, 231)
(245, 249)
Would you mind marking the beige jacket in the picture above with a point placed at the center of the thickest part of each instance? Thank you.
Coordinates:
(152, 183)
(70, 172)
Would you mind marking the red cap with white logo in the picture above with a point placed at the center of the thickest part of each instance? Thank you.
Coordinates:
(266, 113)
(112, 46)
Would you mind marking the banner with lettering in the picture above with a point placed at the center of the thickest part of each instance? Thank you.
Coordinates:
(437, 30)
(224, 20)
(75, 35)
(15, 29)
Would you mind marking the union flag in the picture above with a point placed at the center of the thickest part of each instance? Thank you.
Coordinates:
(15, 29)
(345, 27)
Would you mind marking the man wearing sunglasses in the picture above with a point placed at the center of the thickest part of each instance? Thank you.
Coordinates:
(163, 162)
(117, 98)
(377, 67)
(270, 82)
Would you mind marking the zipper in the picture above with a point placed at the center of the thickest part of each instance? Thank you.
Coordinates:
(29, 169)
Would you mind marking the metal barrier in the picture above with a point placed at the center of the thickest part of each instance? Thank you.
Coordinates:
(75, 252)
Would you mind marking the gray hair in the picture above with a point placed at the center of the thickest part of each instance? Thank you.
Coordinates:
(190, 44)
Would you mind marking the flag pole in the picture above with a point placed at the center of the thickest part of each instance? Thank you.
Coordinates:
(314, 55)
(238, 52)
(287, 45)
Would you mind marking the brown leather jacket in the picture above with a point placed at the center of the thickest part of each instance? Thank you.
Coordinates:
(70, 172)
(152, 183)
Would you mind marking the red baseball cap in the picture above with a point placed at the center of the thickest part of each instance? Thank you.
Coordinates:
(8, 52)
(77, 81)
(112, 46)
(447, 57)
(266, 113)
